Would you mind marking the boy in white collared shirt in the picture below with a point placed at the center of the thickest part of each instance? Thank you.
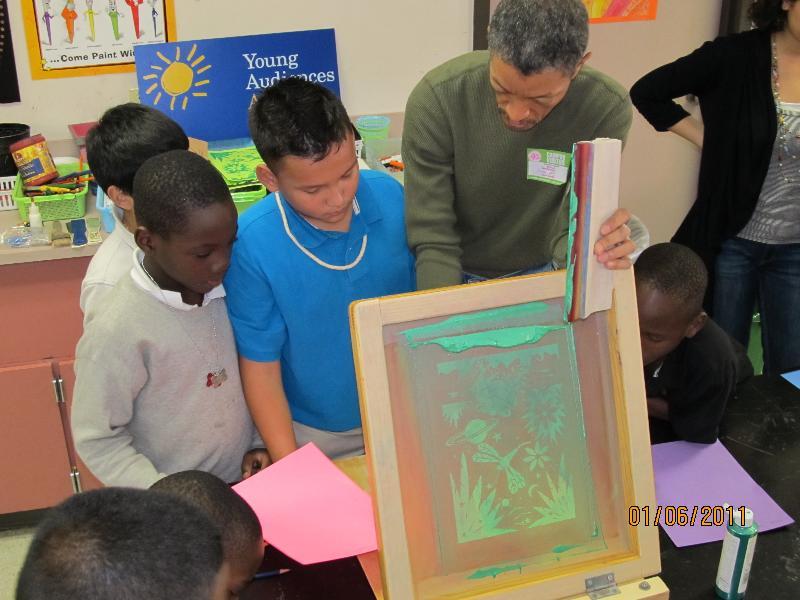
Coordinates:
(157, 386)
(124, 138)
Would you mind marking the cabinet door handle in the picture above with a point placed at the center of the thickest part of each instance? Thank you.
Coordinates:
(75, 476)
(58, 386)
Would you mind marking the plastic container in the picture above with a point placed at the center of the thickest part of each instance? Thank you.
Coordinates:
(378, 149)
(9, 134)
(33, 160)
(34, 217)
(54, 207)
(737, 555)
(104, 207)
(244, 200)
(373, 127)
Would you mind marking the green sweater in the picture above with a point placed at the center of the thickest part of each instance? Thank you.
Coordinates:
(469, 203)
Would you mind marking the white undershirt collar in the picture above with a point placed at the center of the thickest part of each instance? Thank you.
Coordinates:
(168, 297)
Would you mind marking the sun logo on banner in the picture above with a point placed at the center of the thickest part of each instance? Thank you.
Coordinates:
(176, 78)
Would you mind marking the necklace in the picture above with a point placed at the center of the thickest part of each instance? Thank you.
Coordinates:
(784, 133)
(311, 255)
(215, 377)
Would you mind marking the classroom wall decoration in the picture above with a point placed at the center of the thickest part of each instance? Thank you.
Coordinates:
(505, 444)
(70, 38)
(9, 91)
(612, 11)
(208, 85)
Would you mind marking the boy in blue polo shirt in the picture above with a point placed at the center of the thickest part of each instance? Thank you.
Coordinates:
(327, 235)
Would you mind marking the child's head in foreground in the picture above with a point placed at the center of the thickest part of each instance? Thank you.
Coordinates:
(124, 138)
(303, 134)
(186, 222)
(671, 282)
(242, 541)
(124, 544)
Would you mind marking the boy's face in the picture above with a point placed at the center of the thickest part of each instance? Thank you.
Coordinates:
(219, 589)
(663, 323)
(242, 571)
(322, 191)
(195, 259)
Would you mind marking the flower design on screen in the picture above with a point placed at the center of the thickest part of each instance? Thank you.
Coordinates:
(545, 413)
(477, 517)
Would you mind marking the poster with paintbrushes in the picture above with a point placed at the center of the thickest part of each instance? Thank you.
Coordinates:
(85, 37)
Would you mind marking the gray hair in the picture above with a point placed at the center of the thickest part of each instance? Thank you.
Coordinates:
(533, 35)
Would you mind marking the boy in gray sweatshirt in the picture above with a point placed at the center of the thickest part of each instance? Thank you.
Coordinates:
(157, 379)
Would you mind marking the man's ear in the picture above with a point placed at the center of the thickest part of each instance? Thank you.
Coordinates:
(697, 324)
(267, 177)
(582, 62)
(119, 197)
(145, 239)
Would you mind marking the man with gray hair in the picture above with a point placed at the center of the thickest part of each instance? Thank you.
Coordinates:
(487, 141)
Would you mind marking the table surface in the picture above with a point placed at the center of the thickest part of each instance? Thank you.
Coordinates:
(761, 430)
(11, 256)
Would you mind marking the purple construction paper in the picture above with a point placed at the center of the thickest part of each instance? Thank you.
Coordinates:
(793, 378)
(706, 475)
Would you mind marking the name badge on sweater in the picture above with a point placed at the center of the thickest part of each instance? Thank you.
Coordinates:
(548, 166)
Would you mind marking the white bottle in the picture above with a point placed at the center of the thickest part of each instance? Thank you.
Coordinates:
(737, 554)
(35, 218)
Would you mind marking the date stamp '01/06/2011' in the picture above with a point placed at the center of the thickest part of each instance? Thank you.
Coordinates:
(685, 516)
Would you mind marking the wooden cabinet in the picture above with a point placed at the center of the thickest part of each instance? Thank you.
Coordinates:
(35, 468)
(41, 323)
(84, 478)
(41, 316)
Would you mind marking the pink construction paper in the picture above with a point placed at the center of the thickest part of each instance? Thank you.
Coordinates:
(309, 509)
(701, 475)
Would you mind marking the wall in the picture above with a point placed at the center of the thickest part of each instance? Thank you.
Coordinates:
(383, 50)
(659, 170)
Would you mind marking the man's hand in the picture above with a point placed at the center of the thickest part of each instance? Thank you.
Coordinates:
(615, 246)
(255, 460)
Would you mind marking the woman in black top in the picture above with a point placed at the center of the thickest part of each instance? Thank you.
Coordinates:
(745, 221)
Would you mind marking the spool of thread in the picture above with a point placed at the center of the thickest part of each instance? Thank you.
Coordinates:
(33, 160)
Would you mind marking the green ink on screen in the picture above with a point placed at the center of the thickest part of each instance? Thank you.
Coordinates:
(545, 412)
(560, 504)
(510, 337)
(452, 412)
(489, 454)
(475, 432)
(503, 427)
(495, 571)
(463, 323)
(477, 517)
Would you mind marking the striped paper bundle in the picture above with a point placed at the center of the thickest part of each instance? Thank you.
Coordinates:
(594, 196)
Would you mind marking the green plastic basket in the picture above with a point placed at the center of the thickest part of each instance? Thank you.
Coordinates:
(54, 207)
(244, 200)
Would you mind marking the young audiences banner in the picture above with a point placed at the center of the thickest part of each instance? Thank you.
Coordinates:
(208, 85)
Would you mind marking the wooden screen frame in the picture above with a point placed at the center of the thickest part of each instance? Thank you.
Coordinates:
(369, 317)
